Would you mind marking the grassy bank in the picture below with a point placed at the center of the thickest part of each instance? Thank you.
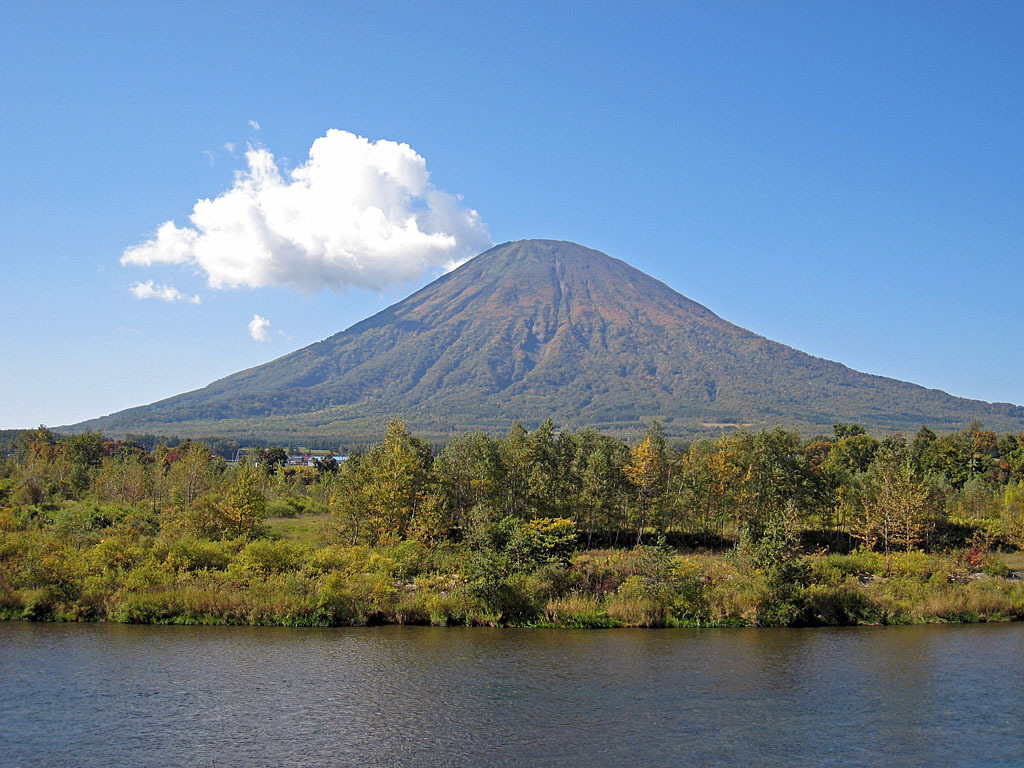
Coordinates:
(291, 581)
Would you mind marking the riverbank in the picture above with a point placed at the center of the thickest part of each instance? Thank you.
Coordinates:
(289, 583)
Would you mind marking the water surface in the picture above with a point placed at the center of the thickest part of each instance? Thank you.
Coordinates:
(104, 694)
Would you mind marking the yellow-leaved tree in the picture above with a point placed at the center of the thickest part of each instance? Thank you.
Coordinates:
(647, 471)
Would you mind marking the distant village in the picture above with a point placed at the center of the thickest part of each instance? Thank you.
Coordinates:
(303, 458)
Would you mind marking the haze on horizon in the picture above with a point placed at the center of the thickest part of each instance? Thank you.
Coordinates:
(188, 196)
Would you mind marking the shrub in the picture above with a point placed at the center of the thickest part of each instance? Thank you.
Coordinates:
(198, 554)
(334, 558)
(637, 603)
(267, 557)
(115, 553)
(541, 541)
(408, 558)
(736, 601)
(861, 561)
(690, 605)
(456, 607)
(835, 605)
(361, 599)
(599, 571)
(147, 608)
(551, 581)
(993, 566)
(36, 604)
(284, 508)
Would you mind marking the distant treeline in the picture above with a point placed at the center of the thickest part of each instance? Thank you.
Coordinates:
(226, 447)
(520, 528)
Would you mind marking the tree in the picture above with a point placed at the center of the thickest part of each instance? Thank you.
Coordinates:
(469, 473)
(390, 482)
(31, 440)
(244, 503)
(892, 504)
(123, 477)
(852, 454)
(774, 551)
(647, 470)
(85, 453)
(840, 431)
(952, 456)
(709, 480)
(514, 451)
(777, 474)
(327, 465)
(191, 475)
(599, 463)
(543, 476)
(271, 458)
(922, 451)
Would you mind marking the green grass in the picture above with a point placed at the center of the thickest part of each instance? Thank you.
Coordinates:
(1012, 560)
(304, 529)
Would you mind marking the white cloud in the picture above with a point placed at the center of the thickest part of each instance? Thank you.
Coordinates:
(254, 125)
(230, 147)
(357, 213)
(258, 328)
(148, 290)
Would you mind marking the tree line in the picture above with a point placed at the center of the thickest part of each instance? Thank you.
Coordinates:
(531, 527)
(887, 494)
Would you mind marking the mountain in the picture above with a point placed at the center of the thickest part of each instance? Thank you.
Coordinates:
(541, 328)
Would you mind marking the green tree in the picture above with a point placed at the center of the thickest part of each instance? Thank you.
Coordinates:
(245, 504)
(392, 479)
(777, 474)
(892, 510)
(271, 458)
(922, 451)
(469, 473)
(191, 475)
(85, 454)
(603, 486)
(709, 481)
(647, 470)
(774, 551)
(514, 450)
(543, 478)
(30, 441)
(841, 431)
(852, 454)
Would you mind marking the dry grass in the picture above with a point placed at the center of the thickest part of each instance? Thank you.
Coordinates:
(577, 609)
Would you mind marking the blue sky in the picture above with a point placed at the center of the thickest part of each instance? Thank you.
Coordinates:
(841, 177)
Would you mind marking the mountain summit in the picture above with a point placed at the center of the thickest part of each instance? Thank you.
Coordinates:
(542, 328)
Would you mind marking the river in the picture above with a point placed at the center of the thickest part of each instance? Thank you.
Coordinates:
(104, 695)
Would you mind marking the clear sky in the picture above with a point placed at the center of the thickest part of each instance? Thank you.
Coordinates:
(846, 178)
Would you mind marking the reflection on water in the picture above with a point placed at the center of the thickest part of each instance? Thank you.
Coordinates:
(99, 695)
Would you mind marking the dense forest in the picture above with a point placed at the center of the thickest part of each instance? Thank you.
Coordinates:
(541, 527)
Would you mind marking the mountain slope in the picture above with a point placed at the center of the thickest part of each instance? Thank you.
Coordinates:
(536, 329)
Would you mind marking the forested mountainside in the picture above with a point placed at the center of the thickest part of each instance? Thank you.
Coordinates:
(540, 329)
